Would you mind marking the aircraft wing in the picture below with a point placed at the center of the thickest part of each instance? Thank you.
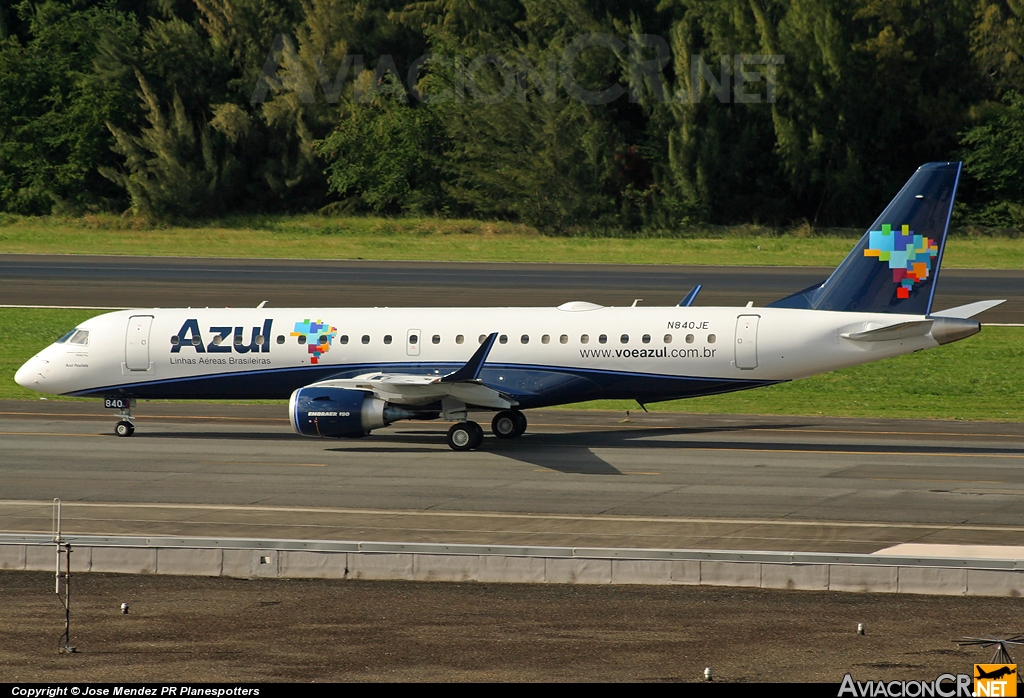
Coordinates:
(463, 385)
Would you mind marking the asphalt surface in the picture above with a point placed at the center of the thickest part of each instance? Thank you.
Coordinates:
(666, 481)
(174, 282)
(583, 478)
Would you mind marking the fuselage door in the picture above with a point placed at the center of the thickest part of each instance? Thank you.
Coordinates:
(136, 343)
(412, 342)
(746, 341)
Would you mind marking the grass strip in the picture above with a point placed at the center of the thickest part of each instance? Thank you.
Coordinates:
(423, 239)
(978, 378)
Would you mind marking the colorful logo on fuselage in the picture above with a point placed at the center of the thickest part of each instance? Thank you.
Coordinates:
(317, 335)
(909, 256)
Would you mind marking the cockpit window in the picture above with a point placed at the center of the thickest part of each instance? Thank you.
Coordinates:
(76, 336)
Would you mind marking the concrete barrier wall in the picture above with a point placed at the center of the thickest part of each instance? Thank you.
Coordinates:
(947, 577)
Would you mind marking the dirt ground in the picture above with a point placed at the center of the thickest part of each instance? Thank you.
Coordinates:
(229, 630)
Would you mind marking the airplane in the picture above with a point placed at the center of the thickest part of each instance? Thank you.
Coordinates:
(999, 673)
(347, 372)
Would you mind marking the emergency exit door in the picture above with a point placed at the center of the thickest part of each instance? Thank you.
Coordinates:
(412, 342)
(136, 343)
(746, 341)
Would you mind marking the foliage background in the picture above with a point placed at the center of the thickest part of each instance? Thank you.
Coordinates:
(146, 106)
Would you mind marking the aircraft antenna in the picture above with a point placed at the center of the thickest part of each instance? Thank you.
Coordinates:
(1001, 655)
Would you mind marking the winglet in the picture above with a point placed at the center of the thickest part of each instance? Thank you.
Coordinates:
(690, 297)
(471, 371)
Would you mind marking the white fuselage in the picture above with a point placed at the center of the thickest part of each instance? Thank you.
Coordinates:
(546, 355)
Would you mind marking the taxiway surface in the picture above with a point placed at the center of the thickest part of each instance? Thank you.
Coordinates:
(143, 282)
(576, 478)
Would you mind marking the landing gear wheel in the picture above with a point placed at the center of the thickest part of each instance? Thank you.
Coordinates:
(465, 436)
(521, 418)
(124, 428)
(505, 425)
(508, 424)
(478, 434)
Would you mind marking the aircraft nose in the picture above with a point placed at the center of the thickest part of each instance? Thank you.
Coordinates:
(29, 375)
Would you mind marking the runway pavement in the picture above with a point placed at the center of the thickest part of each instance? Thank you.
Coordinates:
(576, 478)
(170, 282)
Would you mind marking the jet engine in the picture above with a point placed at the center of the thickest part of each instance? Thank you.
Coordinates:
(337, 412)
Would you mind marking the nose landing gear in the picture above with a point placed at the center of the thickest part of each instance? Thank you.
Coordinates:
(125, 425)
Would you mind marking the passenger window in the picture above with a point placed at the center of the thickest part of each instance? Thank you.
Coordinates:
(238, 340)
(436, 339)
(668, 339)
(196, 341)
(459, 339)
(503, 339)
(323, 339)
(689, 339)
(218, 339)
(546, 339)
(259, 340)
(387, 339)
(365, 339)
(624, 339)
(413, 338)
(712, 338)
(525, 339)
(482, 338)
(302, 339)
(564, 339)
(344, 339)
(603, 339)
(280, 339)
(646, 339)
(175, 340)
(584, 338)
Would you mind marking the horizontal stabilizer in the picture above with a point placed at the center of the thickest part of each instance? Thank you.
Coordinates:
(901, 330)
(471, 371)
(969, 310)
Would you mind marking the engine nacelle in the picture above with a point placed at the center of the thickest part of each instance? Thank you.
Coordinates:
(337, 412)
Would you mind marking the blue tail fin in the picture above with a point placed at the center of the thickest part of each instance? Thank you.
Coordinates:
(894, 267)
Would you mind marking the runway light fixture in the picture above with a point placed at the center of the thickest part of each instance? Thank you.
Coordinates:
(860, 628)
(707, 674)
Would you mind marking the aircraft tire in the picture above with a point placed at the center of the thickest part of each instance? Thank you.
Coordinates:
(505, 425)
(521, 422)
(124, 428)
(478, 434)
(463, 437)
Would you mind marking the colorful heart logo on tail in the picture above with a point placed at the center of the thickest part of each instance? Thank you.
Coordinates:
(909, 256)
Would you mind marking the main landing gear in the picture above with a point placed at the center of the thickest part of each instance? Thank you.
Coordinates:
(508, 424)
(467, 436)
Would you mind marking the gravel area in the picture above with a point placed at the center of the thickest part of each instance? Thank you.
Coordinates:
(230, 630)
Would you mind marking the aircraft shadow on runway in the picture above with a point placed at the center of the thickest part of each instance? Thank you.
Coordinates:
(573, 452)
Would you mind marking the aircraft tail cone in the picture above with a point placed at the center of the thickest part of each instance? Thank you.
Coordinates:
(945, 329)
